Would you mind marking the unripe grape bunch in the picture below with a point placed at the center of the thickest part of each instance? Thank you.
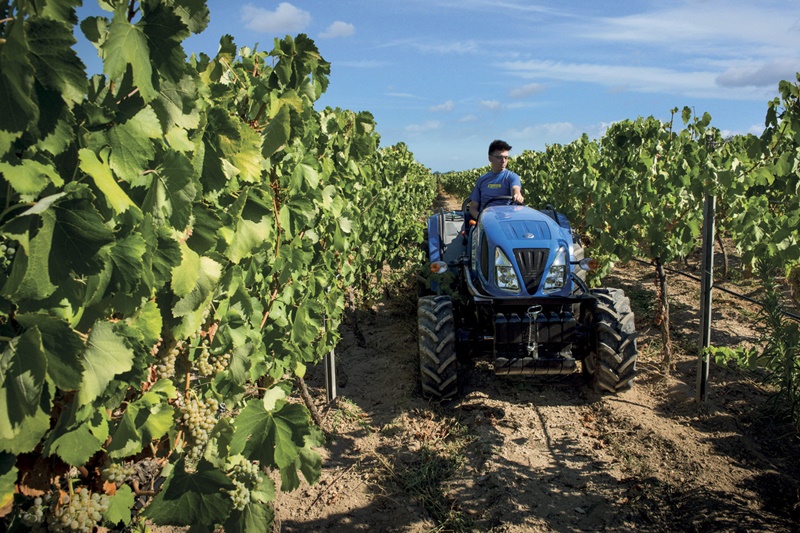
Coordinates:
(81, 511)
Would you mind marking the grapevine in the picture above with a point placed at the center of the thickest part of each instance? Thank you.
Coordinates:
(180, 234)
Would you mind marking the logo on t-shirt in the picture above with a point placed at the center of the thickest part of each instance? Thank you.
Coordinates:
(494, 186)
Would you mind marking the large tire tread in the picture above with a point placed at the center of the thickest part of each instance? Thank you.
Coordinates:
(437, 348)
(611, 365)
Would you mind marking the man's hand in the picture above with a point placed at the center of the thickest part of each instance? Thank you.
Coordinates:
(516, 192)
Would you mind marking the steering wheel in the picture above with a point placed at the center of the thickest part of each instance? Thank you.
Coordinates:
(500, 199)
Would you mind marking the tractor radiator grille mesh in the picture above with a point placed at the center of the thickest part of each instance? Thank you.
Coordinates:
(531, 263)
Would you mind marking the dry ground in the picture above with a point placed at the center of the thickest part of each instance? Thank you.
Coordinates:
(549, 454)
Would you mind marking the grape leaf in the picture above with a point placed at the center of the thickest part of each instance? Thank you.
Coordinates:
(76, 443)
(56, 64)
(126, 46)
(30, 177)
(24, 367)
(106, 356)
(272, 437)
(17, 105)
(144, 421)
(119, 506)
(8, 480)
(195, 498)
(62, 347)
(132, 146)
(104, 179)
(256, 517)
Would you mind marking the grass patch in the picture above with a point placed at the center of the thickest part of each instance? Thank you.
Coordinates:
(348, 415)
(438, 446)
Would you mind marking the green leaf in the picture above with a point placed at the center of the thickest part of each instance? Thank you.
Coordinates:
(62, 347)
(76, 444)
(144, 421)
(126, 46)
(196, 498)
(272, 437)
(164, 31)
(55, 62)
(306, 173)
(104, 179)
(244, 153)
(106, 356)
(148, 322)
(172, 191)
(126, 255)
(253, 229)
(276, 133)
(8, 479)
(256, 517)
(185, 275)
(120, 505)
(17, 104)
(132, 147)
(30, 177)
(24, 366)
(177, 105)
(191, 307)
(30, 277)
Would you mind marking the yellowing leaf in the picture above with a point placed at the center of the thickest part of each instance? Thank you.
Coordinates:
(104, 179)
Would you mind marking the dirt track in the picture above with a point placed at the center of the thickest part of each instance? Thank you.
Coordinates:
(547, 454)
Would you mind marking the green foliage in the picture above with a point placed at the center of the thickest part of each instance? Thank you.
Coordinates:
(779, 354)
(183, 231)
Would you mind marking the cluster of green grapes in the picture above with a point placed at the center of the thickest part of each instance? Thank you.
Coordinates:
(209, 364)
(117, 473)
(81, 511)
(200, 417)
(246, 476)
(7, 251)
(165, 367)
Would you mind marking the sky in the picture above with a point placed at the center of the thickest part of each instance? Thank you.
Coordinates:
(446, 77)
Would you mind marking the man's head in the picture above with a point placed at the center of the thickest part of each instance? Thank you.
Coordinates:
(498, 155)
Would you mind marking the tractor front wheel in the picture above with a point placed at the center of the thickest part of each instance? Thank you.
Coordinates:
(437, 347)
(611, 363)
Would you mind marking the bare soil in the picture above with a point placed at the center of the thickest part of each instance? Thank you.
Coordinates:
(549, 454)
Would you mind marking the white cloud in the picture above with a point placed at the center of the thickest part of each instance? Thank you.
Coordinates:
(426, 126)
(338, 29)
(468, 118)
(365, 63)
(698, 83)
(442, 48)
(526, 90)
(490, 104)
(447, 106)
(285, 19)
(540, 135)
(760, 75)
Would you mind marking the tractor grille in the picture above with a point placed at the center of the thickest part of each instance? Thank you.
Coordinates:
(531, 263)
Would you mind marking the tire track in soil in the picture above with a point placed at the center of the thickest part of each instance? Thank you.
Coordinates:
(543, 454)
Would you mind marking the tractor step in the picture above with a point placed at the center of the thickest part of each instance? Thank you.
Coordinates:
(533, 366)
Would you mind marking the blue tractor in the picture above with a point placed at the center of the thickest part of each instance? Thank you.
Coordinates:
(512, 285)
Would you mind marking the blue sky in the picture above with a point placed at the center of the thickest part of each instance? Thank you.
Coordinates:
(448, 76)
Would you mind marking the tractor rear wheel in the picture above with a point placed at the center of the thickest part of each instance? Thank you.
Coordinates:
(611, 363)
(437, 347)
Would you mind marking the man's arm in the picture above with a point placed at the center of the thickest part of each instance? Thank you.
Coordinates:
(516, 192)
(473, 210)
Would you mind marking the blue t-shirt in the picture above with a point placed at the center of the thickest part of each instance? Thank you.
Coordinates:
(492, 185)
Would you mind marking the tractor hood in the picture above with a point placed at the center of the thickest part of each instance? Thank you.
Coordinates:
(519, 251)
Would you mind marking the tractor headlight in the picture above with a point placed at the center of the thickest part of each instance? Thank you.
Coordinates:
(557, 274)
(504, 274)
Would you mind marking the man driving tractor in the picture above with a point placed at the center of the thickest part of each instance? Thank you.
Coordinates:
(498, 182)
